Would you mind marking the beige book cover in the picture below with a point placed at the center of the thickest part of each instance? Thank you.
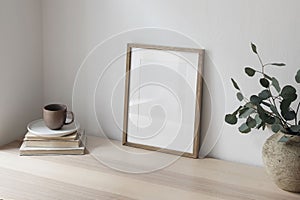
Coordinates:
(52, 143)
(31, 151)
(28, 150)
(31, 136)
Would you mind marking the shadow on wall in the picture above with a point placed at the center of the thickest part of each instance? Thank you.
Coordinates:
(21, 71)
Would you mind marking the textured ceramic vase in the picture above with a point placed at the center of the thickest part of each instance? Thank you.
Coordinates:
(282, 161)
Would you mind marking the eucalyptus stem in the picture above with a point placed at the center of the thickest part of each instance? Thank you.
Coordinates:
(265, 104)
(283, 122)
(274, 104)
(267, 64)
(262, 65)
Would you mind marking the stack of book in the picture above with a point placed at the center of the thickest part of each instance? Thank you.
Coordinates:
(71, 144)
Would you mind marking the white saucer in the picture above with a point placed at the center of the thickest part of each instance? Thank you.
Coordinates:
(38, 127)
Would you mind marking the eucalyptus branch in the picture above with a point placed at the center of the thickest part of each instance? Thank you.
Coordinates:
(274, 103)
(245, 99)
(284, 123)
(260, 72)
(267, 64)
(265, 104)
(269, 89)
(271, 95)
(262, 65)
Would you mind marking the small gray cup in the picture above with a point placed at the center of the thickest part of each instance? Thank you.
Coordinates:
(55, 116)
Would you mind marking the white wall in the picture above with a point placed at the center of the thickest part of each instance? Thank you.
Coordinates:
(21, 66)
(71, 28)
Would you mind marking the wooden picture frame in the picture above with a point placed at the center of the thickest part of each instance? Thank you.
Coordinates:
(194, 65)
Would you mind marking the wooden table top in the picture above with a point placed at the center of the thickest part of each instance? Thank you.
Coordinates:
(96, 175)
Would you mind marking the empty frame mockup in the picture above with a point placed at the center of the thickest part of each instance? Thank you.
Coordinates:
(163, 98)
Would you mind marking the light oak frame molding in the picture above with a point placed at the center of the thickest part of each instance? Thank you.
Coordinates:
(196, 142)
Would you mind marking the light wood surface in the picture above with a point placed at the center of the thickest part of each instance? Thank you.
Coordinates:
(84, 177)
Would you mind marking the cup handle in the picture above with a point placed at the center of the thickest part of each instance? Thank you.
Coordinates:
(72, 120)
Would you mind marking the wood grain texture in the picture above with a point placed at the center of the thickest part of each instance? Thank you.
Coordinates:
(83, 177)
(199, 86)
(166, 48)
(126, 96)
(152, 148)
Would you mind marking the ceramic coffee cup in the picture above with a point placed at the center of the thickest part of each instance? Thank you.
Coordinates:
(55, 116)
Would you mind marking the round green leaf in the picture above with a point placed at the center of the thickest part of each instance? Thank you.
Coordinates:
(235, 85)
(244, 128)
(253, 47)
(295, 128)
(265, 94)
(249, 71)
(284, 139)
(275, 84)
(288, 93)
(291, 97)
(286, 111)
(285, 105)
(231, 119)
(245, 112)
(255, 99)
(264, 116)
(251, 123)
(297, 77)
(276, 127)
(288, 115)
(249, 105)
(240, 96)
(278, 64)
(257, 119)
(264, 82)
(277, 120)
(270, 120)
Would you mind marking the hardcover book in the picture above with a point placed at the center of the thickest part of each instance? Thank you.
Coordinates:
(31, 151)
(62, 143)
(54, 147)
(31, 136)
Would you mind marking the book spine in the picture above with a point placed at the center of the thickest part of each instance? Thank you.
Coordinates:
(57, 144)
(83, 137)
(51, 152)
